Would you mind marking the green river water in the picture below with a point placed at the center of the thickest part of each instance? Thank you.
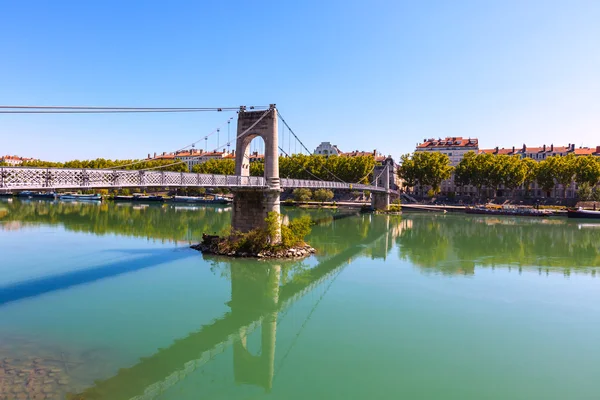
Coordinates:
(107, 301)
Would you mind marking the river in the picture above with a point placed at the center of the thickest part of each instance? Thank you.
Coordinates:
(107, 301)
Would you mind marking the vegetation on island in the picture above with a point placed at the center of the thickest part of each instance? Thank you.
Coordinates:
(489, 172)
(261, 242)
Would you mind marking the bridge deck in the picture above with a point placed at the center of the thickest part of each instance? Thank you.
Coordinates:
(27, 178)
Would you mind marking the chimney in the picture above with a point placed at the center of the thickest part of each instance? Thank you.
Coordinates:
(148, 155)
(233, 152)
(513, 152)
(496, 150)
(524, 148)
(597, 149)
(552, 147)
(544, 148)
(573, 147)
(164, 153)
(154, 154)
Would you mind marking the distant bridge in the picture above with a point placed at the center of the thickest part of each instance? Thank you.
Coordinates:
(30, 178)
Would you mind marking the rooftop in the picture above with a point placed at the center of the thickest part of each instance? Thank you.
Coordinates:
(455, 141)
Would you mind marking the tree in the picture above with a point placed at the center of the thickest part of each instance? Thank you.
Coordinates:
(323, 195)
(513, 172)
(302, 194)
(531, 170)
(425, 168)
(545, 174)
(596, 194)
(584, 192)
(587, 170)
(565, 170)
(217, 167)
(408, 171)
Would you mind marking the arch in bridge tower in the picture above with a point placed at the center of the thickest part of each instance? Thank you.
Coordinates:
(251, 205)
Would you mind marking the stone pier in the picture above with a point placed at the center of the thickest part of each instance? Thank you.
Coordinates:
(252, 205)
(381, 200)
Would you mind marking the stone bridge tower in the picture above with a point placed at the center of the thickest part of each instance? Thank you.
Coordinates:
(251, 205)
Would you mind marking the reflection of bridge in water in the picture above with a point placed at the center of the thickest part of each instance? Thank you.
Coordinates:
(258, 297)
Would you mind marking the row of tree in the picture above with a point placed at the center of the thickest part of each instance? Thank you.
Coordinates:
(490, 171)
(299, 166)
(101, 163)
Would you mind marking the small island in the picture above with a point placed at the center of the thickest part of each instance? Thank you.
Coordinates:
(264, 242)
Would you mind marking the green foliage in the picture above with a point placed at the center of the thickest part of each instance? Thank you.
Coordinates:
(294, 233)
(348, 169)
(556, 169)
(302, 194)
(425, 169)
(596, 194)
(395, 208)
(217, 167)
(491, 171)
(584, 192)
(260, 239)
(323, 195)
(587, 170)
(253, 242)
(273, 222)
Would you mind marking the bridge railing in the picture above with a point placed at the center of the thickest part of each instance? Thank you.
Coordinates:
(28, 178)
(310, 184)
(71, 178)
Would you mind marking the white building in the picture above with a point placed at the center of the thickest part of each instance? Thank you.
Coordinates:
(327, 149)
(454, 147)
(14, 160)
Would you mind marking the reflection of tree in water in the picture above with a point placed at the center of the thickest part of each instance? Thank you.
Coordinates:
(455, 244)
(152, 221)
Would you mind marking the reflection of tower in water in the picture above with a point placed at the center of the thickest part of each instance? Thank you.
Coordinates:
(255, 292)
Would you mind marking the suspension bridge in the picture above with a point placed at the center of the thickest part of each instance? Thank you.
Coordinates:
(254, 197)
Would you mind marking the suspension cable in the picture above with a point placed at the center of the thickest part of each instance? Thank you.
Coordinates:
(183, 148)
(306, 148)
(162, 166)
(8, 109)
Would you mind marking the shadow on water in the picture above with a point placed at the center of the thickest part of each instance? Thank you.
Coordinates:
(47, 284)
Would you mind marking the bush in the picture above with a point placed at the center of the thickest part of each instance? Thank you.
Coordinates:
(259, 239)
(294, 233)
(302, 194)
(323, 195)
(395, 208)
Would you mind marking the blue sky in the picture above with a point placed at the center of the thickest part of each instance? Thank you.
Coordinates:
(361, 74)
